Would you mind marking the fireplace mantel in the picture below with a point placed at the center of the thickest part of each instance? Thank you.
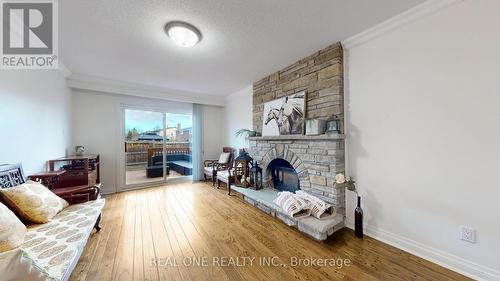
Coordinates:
(300, 137)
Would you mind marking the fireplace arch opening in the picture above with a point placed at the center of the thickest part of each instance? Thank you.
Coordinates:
(283, 175)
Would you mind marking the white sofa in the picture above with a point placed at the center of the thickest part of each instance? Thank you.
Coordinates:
(50, 251)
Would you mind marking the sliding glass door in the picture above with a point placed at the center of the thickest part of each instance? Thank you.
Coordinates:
(143, 147)
(178, 146)
(157, 147)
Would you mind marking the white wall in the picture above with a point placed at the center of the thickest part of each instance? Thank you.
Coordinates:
(424, 132)
(213, 131)
(34, 118)
(97, 125)
(238, 115)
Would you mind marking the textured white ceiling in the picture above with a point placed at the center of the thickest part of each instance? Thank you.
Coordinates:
(243, 41)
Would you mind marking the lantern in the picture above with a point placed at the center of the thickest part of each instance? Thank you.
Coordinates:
(256, 176)
(242, 165)
(333, 125)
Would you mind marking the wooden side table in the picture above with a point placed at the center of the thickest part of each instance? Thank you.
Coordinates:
(80, 169)
(49, 179)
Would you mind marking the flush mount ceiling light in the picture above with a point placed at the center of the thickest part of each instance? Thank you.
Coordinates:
(183, 33)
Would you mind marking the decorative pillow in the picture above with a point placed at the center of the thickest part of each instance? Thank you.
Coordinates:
(12, 230)
(33, 201)
(224, 158)
(15, 266)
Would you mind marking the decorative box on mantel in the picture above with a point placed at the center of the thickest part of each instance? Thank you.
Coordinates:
(315, 127)
(316, 160)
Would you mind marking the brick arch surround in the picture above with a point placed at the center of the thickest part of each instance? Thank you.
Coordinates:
(282, 151)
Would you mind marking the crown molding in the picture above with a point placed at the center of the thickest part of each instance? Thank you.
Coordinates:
(97, 84)
(427, 8)
(65, 72)
(240, 93)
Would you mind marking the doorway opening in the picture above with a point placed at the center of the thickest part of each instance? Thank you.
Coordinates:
(158, 147)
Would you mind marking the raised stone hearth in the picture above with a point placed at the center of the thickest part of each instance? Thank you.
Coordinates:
(316, 160)
(263, 200)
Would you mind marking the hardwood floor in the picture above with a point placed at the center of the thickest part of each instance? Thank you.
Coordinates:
(154, 234)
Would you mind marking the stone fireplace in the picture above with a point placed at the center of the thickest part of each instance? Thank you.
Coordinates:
(293, 162)
(312, 160)
(315, 159)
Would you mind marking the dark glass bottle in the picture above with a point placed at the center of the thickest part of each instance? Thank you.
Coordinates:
(358, 220)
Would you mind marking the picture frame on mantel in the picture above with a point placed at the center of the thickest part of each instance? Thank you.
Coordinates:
(285, 115)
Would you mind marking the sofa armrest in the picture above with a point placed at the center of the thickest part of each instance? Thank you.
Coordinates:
(78, 194)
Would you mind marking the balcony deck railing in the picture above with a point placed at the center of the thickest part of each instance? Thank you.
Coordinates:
(140, 152)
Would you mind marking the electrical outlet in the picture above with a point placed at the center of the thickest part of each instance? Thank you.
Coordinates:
(467, 234)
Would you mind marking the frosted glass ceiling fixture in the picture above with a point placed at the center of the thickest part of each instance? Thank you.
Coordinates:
(183, 33)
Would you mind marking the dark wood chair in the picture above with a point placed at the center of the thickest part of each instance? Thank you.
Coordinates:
(227, 177)
(210, 167)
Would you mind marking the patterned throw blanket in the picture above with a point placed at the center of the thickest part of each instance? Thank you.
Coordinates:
(302, 204)
(293, 205)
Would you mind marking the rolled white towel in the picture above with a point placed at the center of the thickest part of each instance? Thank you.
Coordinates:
(319, 208)
(293, 205)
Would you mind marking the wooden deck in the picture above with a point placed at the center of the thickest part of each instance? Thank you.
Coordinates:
(153, 234)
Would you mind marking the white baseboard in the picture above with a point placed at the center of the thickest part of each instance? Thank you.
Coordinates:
(431, 254)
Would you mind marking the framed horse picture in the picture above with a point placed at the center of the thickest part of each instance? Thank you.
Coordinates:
(284, 116)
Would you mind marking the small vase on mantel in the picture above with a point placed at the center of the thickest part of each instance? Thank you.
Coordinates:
(358, 220)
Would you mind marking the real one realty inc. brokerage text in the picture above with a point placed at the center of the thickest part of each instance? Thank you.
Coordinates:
(244, 261)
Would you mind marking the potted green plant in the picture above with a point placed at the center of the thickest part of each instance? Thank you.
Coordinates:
(247, 133)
